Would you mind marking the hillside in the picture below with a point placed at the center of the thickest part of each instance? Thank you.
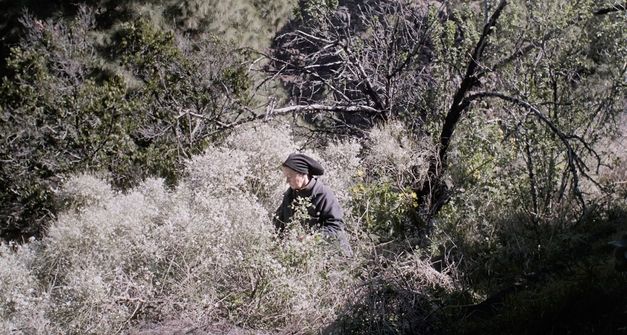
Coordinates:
(476, 151)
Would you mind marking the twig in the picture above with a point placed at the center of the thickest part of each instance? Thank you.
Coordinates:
(575, 163)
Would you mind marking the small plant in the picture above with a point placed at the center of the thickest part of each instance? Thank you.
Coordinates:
(386, 210)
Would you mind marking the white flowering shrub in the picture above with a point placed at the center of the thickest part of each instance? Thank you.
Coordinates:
(342, 163)
(204, 252)
(392, 154)
(84, 190)
(219, 171)
(21, 299)
(264, 147)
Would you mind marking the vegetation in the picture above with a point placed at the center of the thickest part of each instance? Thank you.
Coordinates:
(477, 148)
(152, 101)
(402, 60)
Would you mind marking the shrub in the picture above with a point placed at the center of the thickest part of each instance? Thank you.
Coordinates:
(22, 300)
(402, 299)
(342, 164)
(204, 253)
(383, 197)
(264, 148)
(84, 190)
(135, 104)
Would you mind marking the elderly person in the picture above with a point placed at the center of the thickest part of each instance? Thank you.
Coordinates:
(325, 213)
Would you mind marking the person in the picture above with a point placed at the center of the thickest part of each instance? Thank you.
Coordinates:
(325, 213)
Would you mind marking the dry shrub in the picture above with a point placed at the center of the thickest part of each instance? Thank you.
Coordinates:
(84, 189)
(21, 299)
(341, 163)
(394, 155)
(203, 253)
(397, 296)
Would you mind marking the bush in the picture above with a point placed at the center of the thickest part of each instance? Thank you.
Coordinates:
(393, 162)
(22, 300)
(203, 252)
(138, 109)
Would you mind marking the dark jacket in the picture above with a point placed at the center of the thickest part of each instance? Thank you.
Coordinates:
(325, 212)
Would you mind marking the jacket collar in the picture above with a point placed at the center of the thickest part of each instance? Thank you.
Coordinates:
(309, 187)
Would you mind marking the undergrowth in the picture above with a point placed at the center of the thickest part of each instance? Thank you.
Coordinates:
(205, 252)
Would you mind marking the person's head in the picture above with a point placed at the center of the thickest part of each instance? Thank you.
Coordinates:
(296, 180)
(298, 170)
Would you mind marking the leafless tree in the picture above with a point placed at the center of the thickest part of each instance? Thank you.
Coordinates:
(373, 57)
(375, 60)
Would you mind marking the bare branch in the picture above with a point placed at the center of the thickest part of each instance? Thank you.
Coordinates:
(612, 9)
(373, 59)
(576, 165)
(293, 109)
(327, 108)
(370, 89)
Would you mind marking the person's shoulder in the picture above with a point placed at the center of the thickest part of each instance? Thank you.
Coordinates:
(321, 188)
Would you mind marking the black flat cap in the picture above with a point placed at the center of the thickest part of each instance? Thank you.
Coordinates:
(303, 164)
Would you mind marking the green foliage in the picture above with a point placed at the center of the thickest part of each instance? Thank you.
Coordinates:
(139, 110)
(507, 160)
(452, 39)
(245, 23)
(386, 210)
(239, 82)
(145, 48)
(58, 118)
(513, 220)
(382, 196)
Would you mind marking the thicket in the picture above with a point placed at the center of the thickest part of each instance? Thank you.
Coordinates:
(132, 104)
(533, 71)
(202, 252)
(245, 23)
(477, 147)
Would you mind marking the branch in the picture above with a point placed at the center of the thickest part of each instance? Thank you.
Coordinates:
(576, 165)
(615, 8)
(295, 109)
(316, 38)
(370, 89)
(307, 69)
(327, 108)
(433, 194)
(470, 80)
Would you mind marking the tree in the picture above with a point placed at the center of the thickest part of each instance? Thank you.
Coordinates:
(136, 105)
(372, 57)
(534, 66)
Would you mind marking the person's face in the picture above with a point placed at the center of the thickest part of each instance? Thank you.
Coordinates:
(296, 180)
